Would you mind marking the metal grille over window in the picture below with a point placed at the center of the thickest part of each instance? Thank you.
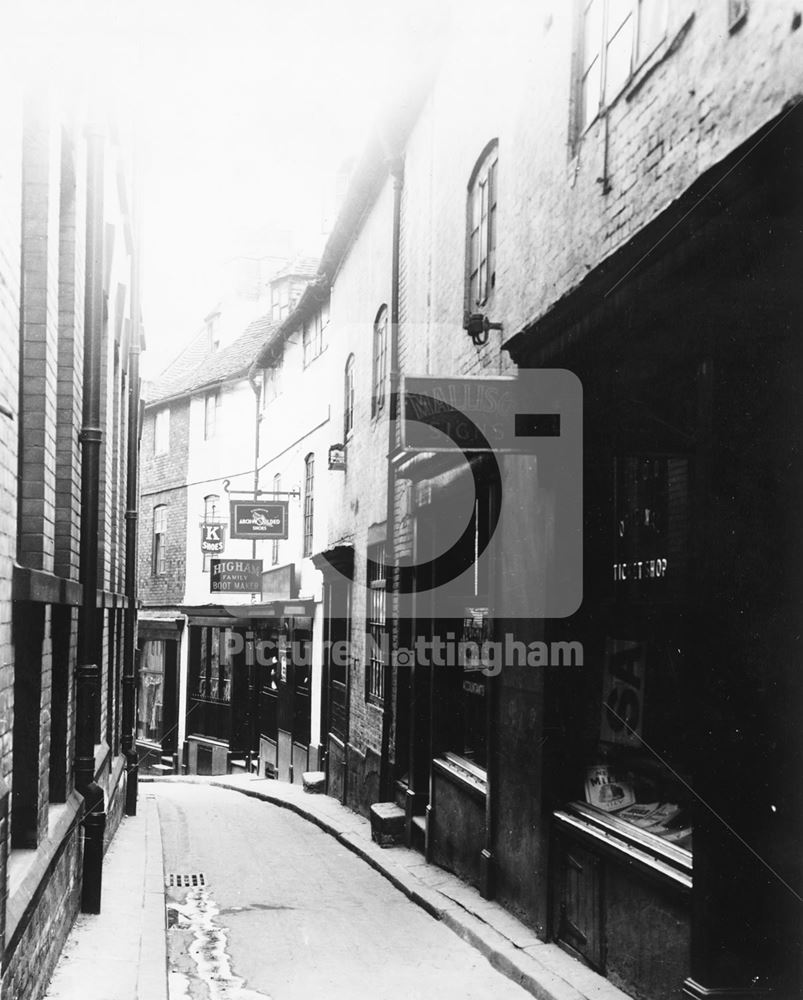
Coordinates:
(377, 626)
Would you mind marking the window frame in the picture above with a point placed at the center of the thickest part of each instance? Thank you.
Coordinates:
(379, 361)
(161, 431)
(481, 222)
(211, 501)
(376, 625)
(639, 54)
(159, 540)
(312, 335)
(348, 397)
(152, 665)
(280, 301)
(309, 503)
(211, 403)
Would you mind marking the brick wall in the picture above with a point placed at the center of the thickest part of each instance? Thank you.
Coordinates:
(38, 949)
(39, 319)
(43, 231)
(10, 218)
(162, 481)
(72, 263)
(565, 204)
(361, 287)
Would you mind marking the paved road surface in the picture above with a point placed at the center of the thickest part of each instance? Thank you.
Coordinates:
(285, 912)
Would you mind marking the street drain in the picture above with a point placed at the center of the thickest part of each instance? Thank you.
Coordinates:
(185, 881)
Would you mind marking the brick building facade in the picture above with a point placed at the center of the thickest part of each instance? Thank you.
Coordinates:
(607, 189)
(199, 689)
(70, 340)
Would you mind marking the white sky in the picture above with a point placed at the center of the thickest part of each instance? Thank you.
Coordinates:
(246, 109)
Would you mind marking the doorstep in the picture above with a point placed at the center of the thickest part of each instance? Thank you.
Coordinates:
(544, 970)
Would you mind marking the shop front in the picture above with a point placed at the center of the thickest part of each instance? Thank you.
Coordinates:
(670, 777)
(283, 662)
(159, 644)
(220, 699)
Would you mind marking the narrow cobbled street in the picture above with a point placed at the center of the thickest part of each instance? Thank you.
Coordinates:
(265, 904)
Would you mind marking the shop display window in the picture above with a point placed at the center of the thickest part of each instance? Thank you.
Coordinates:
(151, 691)
(634, 792)
(631, 777)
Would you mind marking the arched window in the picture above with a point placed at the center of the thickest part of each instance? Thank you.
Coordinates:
(380, 360)
(481, 230)
(211, 507)
(309, 490)
(348, 398)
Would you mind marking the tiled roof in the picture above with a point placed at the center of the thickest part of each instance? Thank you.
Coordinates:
(198, 366)
(178, 374)
(298, 267)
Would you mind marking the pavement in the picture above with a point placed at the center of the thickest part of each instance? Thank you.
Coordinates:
(120, 953)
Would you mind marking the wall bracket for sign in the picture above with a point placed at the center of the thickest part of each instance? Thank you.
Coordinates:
(296, 493)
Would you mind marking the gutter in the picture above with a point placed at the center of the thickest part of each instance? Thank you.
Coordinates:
(130, 664)
(396, 168)
(88, 669)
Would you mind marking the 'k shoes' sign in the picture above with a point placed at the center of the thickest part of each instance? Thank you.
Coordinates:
(252, 519)
(213, 537)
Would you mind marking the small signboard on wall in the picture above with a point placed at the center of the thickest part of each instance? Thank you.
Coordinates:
(258, 519)
(213, 537)
(242, 576)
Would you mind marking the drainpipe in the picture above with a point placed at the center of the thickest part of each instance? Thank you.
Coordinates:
(386, 790)
(88, 670)
(129, 745)
(251, 720)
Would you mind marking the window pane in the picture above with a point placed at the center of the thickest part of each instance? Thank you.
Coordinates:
(617, 71)
(211, 505)
(618, 12)
(474, 288)
(591, 94)
(492, 249)
(309, 486)
(651, 27)
(150, 692)
(592, 33)
(380, 349)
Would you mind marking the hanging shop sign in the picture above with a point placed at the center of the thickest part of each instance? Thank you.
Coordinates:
(252, 519)
(623, 692)
(650, 549)
(241, 575)
(490, 414)
(337, 458)
(213, 537)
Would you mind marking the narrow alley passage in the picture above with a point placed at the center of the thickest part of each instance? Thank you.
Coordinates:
(265, 904)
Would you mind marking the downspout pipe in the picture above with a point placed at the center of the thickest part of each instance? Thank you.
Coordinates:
(128, 741)
(88, 669)
(252, 716)
(396, 169)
